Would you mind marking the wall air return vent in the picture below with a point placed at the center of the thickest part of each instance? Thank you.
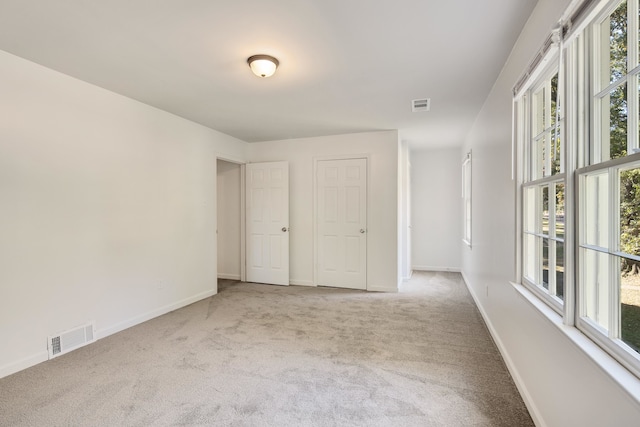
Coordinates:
(70, 340)
(421, 105)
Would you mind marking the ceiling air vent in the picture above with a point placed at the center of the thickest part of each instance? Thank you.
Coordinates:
(421, 105)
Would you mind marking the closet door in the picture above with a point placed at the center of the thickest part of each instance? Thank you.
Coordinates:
(342, 223)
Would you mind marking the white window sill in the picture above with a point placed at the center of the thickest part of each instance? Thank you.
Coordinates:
(625, 379)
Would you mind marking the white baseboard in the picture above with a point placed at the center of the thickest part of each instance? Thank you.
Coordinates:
(228, 276)
(535, 413)
(43, 356)
(432, 268)
(302, 283)
(25, 363)
(102, 333)
(377, 288)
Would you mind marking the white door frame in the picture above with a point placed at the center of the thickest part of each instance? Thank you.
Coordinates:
(243, 225)
(315, 205)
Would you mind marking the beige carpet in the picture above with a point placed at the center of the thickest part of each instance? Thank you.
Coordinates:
(259, 355)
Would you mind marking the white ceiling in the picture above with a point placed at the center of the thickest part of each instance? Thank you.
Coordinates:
(345, 65)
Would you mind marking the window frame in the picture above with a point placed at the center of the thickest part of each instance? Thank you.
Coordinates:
(529, 179)
(593, 161)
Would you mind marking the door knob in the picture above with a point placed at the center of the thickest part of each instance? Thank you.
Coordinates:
(284, 229)
(362, 230)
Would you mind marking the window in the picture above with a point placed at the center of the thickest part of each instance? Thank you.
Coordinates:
(544, 191)
(466, 196)
(578, 127)
(609, 188)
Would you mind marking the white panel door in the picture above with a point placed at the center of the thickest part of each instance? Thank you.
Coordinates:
(342, 223)
(267, 190)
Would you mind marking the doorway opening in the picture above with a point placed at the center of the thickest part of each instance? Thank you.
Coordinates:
(230, 220)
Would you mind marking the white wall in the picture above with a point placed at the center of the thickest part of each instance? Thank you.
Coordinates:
(229, 218)
(382, 237)
(108, 209)
(436, 209)
(560, 383)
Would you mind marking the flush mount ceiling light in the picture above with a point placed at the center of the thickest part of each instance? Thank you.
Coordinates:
(263, 65)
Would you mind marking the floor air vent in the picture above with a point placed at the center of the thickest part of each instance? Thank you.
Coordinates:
(70, 340)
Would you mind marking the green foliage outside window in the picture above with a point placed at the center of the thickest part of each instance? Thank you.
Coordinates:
(630, 218)
(630, 179)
